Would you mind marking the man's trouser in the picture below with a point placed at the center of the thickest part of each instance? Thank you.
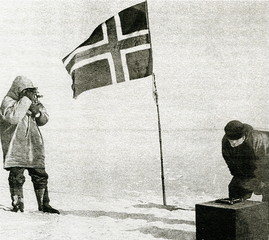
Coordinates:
(16, 180)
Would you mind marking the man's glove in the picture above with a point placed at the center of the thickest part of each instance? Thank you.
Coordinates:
(35, 109)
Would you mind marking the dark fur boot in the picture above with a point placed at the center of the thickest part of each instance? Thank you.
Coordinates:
(43, 201)
(17, 199)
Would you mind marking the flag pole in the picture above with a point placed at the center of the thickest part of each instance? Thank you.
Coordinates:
(155, 95)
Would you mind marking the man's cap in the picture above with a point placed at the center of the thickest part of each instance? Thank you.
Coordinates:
(234, 130)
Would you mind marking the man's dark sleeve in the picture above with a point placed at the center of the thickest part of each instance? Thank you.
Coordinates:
(260, 143)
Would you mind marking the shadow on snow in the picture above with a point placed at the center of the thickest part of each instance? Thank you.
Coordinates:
(156, 232)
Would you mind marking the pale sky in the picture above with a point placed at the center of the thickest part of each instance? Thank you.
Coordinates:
(199, 49)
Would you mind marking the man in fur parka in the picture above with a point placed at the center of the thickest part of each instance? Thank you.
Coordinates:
(22, 143)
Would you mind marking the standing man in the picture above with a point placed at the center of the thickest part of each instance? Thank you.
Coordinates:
(246, 152)
(22, 143)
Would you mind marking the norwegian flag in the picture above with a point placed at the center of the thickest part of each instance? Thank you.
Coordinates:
(118, 50)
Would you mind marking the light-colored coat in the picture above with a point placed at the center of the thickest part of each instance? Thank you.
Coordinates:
(22, 142)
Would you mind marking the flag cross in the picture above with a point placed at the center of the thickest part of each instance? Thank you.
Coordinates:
(114, 47)
(118, 50)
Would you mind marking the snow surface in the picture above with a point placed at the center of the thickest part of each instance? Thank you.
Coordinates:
(92, 219)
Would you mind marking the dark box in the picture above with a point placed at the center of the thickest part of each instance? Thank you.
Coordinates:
(241, 221)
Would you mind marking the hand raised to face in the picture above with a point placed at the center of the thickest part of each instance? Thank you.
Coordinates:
(30, 93)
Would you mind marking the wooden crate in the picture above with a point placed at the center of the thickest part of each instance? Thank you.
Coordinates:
(241, 221)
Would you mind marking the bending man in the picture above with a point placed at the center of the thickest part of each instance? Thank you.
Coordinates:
(246, 152)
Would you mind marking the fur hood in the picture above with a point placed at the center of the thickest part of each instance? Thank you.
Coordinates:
(20, 83)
